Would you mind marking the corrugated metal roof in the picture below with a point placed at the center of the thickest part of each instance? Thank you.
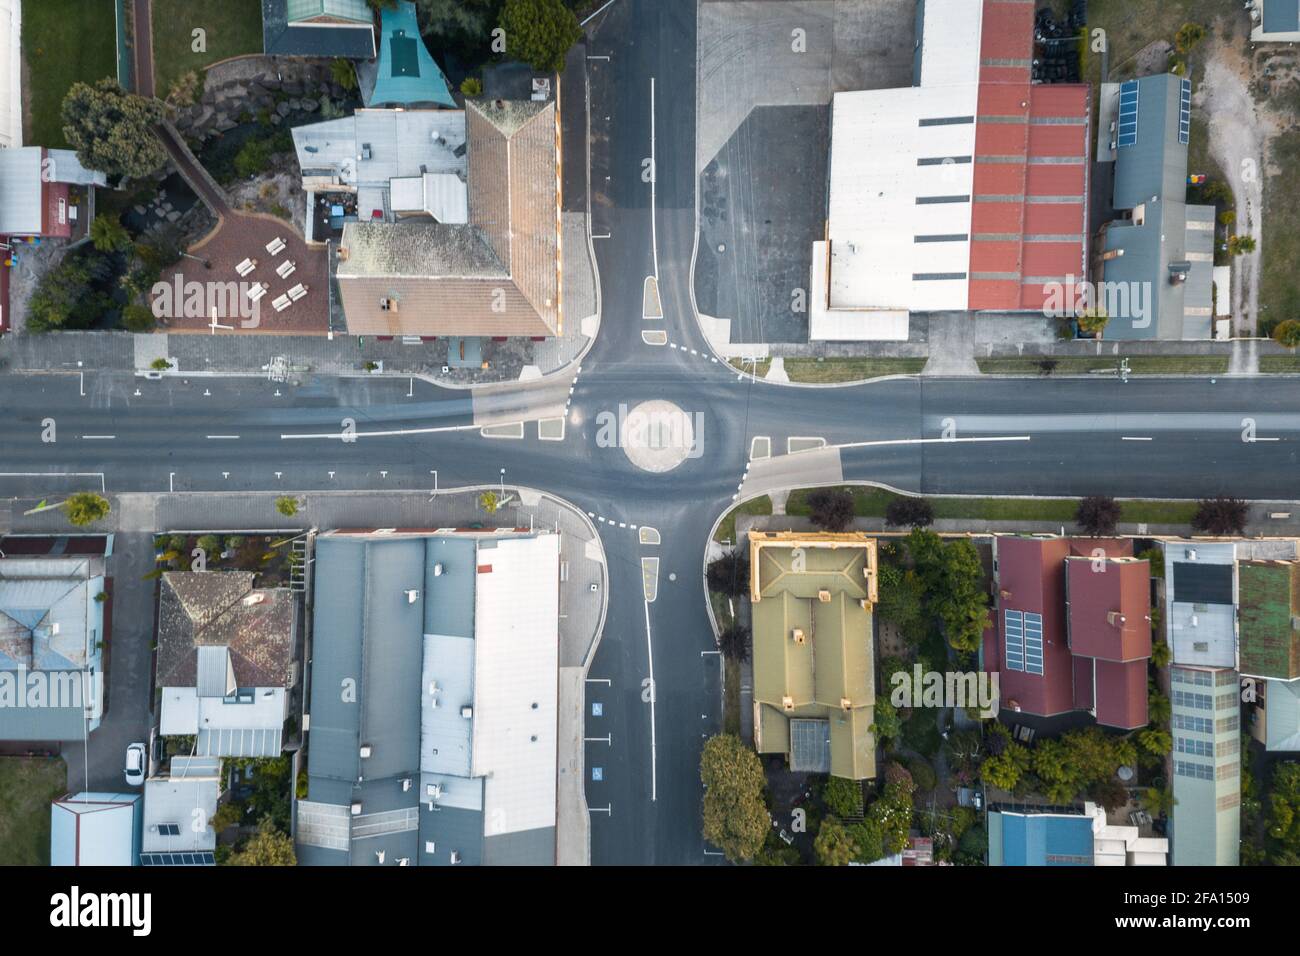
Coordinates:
(406, 75)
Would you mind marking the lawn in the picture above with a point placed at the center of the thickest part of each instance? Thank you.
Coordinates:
(27, 785)
(731, 701)
(232, 28)
(1289, 364)
(1131, 25)
(63, 41)
(727, 528)
(831, 370)
(1085, 365)
(1279, 293)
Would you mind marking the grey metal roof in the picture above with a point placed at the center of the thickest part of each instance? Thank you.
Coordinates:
(523, 848)
(239, 742)
(1281, 16)
(451, 829)
(279, 37)
(810, 746)
(42, 723)
(446, 695)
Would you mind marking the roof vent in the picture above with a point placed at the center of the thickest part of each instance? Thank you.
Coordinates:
(455, 857)
(256, 597)
(467, 711)
(412, 595)
(1116, 619)
(406, 784)
(433, 791)
(797, 635)
(824, 596)
(437, 570)
(787, 702)
(365, 751)
(356, 808)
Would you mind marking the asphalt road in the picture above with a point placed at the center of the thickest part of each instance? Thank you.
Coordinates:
(1149, 437)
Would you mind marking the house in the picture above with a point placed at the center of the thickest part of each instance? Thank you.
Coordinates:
(1275, 21)
(1067, 836)
(1157, 260)
(178, 811)
(443, 748)
(965, 191)
(405, 75)
(814, 677)
(11, 82)
(318, 28)
(95, 829)
(485, 265)
(1071, 628)
(46, 193)
(225, 661)
(1219, 596)
(53, 628)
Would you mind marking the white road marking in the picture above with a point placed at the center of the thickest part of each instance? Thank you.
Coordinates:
(98, 437)
(338, 436)
(1133, 438)
(929, 441)
(223, 437)
(654, 175)
(654, 692)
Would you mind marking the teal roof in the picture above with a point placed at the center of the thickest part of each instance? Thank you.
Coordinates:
(1040, 839)
(357, 10)
(407, 74)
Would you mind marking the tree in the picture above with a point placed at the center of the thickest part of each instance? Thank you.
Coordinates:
(736, 820)
(953, 578)
(138, 318)
(210, 543)
(539, 32)
(267, 847)
(160, 249)
(85, 508)
(1287, 333)
(909, 513)
(488, 502)
(382, 4)
(229, 814)
(1239, 244)
(71, 295)
(160, 364)
(286, 506)
(831, 509)
(344, 73)
(1093, 321)
(1098, 515)
(1161, 653)
(735, 643)
(729, 574)
(1159, 710)
(902, 602)
(1155, 742)
(1007, 762)
(1188, 36)
(842, 797)
(1284, 807)
(109, 235)
(1221, 515)
(457, 20)
(834, 845)
(112, 130)
(1227, 217)
(887, 725)
(471, 86)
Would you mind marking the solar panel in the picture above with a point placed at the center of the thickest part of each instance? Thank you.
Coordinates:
(1128, 114)
(1185, 113)
(1013, 628)
(1033, 643)
(178, 859)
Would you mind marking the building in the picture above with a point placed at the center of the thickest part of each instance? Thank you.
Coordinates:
(1157, 257)
(434, 706)
(1275, 21)
(225, 661)
(178, 812)
(95, 829)
(1071, 628)
(965, 191)
(488, 267)
(45, 192)
(405, 75)
(1205, 614)
(53, 628)
(1067, 836)
(379, 165)
(11, 85)
(814, 677)
(1269, 638)
(318, 28)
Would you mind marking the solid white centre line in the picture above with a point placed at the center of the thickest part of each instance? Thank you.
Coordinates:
(650, 653)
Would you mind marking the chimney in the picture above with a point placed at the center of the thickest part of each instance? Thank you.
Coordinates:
(824, 596)
(798, 636)
(787, 702)
(1115, 619)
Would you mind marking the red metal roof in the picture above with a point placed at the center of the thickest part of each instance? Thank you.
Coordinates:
(1031, 577)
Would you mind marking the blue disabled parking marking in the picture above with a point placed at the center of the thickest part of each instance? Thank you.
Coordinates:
(597, 773)
(597, 709)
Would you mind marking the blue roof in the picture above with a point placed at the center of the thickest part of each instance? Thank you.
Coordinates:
(1281, 16)
(407, 74)
(1041, 839)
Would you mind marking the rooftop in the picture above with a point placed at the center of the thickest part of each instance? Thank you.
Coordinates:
(342, 28)
(405, 75)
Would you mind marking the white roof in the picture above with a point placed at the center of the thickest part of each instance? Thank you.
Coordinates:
(848, 325)
(444, 196)
(94, 829)
(186, 798)
(1282, 714)
(516, 614)
(184, 712)
(402, 143)
(950, 47)
(882, 198)
(11, 103)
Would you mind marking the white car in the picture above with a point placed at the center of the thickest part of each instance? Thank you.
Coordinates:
(135, 765)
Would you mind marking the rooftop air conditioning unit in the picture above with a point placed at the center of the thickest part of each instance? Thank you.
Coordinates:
(1115, 619)
(455, 857)
(433, 791)
(1191, 554)
(797, 635)
(846, 704)
(787, 702)
(404, 861)
(254, 598)
(365, 751)
(356, 808)
(1196, 621)
(824, 596)
(437, 570)
(467, 711)
(406, 784)
(412, 595)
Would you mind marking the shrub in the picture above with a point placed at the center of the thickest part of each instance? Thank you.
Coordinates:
(831, 509)
(909, 512)
(286, 506)
(843, 798)
(138, 318)
(1221, 515)
(471, 86)
(729, 574)
(735, 643)
(1097, 515)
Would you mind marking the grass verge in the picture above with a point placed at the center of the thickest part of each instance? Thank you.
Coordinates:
(831, 370)
(63, 41)
(731, 698)
(727, 528)
(27, 785)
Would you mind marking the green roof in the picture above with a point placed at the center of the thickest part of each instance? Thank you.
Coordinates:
(813, 657)
(1269, 640)
(356, 10)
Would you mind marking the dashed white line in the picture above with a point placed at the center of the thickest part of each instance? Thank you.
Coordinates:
(98, 437)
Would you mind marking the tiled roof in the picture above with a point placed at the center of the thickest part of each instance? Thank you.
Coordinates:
(222, 609)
